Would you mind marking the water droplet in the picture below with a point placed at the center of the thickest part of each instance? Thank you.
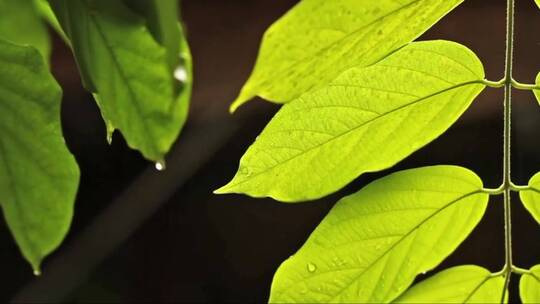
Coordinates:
(424, 272)
(160, 165)
(180, 74)
(37, 272)
(311, 267)
(245, 171)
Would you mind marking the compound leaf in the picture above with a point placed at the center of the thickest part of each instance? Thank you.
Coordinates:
(127, 70)
(21, 24)
(461, 284)
(372, 244)
(366, 120)
(38, 175)
(531, 197)
(529, 286)
(318, 39)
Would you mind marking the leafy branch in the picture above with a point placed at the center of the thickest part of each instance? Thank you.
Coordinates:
(347, 113)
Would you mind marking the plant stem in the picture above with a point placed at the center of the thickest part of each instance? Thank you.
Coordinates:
(507, 180)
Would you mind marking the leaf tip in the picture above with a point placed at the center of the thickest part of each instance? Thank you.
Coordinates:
(36, 266)
(226, 189)
(242, 98)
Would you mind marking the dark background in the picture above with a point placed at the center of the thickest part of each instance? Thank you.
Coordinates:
(140, 235)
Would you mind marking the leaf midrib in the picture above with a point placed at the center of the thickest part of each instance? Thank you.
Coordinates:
(347, 36)
(130, 90)
(415, 228)
(397, 242)
(355, 129)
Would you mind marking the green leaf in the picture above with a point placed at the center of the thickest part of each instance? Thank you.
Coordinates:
(531, 197)
(128, 72)
(537, 92)
(366, 120)
(461, 284)
(21, 24)
(372, 244)
(38, 175)
(45, 11)
(318, 39)
(529, 286)
(162, 21)
(537, 2)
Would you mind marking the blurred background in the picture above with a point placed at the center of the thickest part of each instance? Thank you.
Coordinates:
(140, 235)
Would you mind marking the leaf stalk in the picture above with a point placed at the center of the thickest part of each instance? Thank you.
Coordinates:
(507, 180)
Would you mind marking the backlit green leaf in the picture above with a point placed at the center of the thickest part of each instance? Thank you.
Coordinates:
(21, 24)
(38, 175)
(529, 286)
(162, 21)
(461, 284)
(537, 92)
(366, 120)
(537, 2)
(531, 197)
(318, 39)
(372, 244)
(128, 71)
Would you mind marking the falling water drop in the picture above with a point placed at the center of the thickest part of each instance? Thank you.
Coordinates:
(160, 165)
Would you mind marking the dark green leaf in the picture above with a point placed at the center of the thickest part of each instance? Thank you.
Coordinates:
(21, 24)
(128, 71)
(38, 175)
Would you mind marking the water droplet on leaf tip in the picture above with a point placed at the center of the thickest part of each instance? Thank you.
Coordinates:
(160, 165)
(37, 272)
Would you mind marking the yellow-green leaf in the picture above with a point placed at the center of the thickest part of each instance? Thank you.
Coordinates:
(531, 197)
(461, 284)
(537, 92)
(318, 39)
(366, 120)
(38, 175)
(529, 286)
(372, 244)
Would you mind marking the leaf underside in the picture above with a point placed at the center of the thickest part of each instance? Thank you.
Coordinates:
(531, 197)
(38, 175)
(461, 284)
(366, 120)
(318, 39)
(128, 71)
(529, 286)
(21, 24)
(372, 244)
